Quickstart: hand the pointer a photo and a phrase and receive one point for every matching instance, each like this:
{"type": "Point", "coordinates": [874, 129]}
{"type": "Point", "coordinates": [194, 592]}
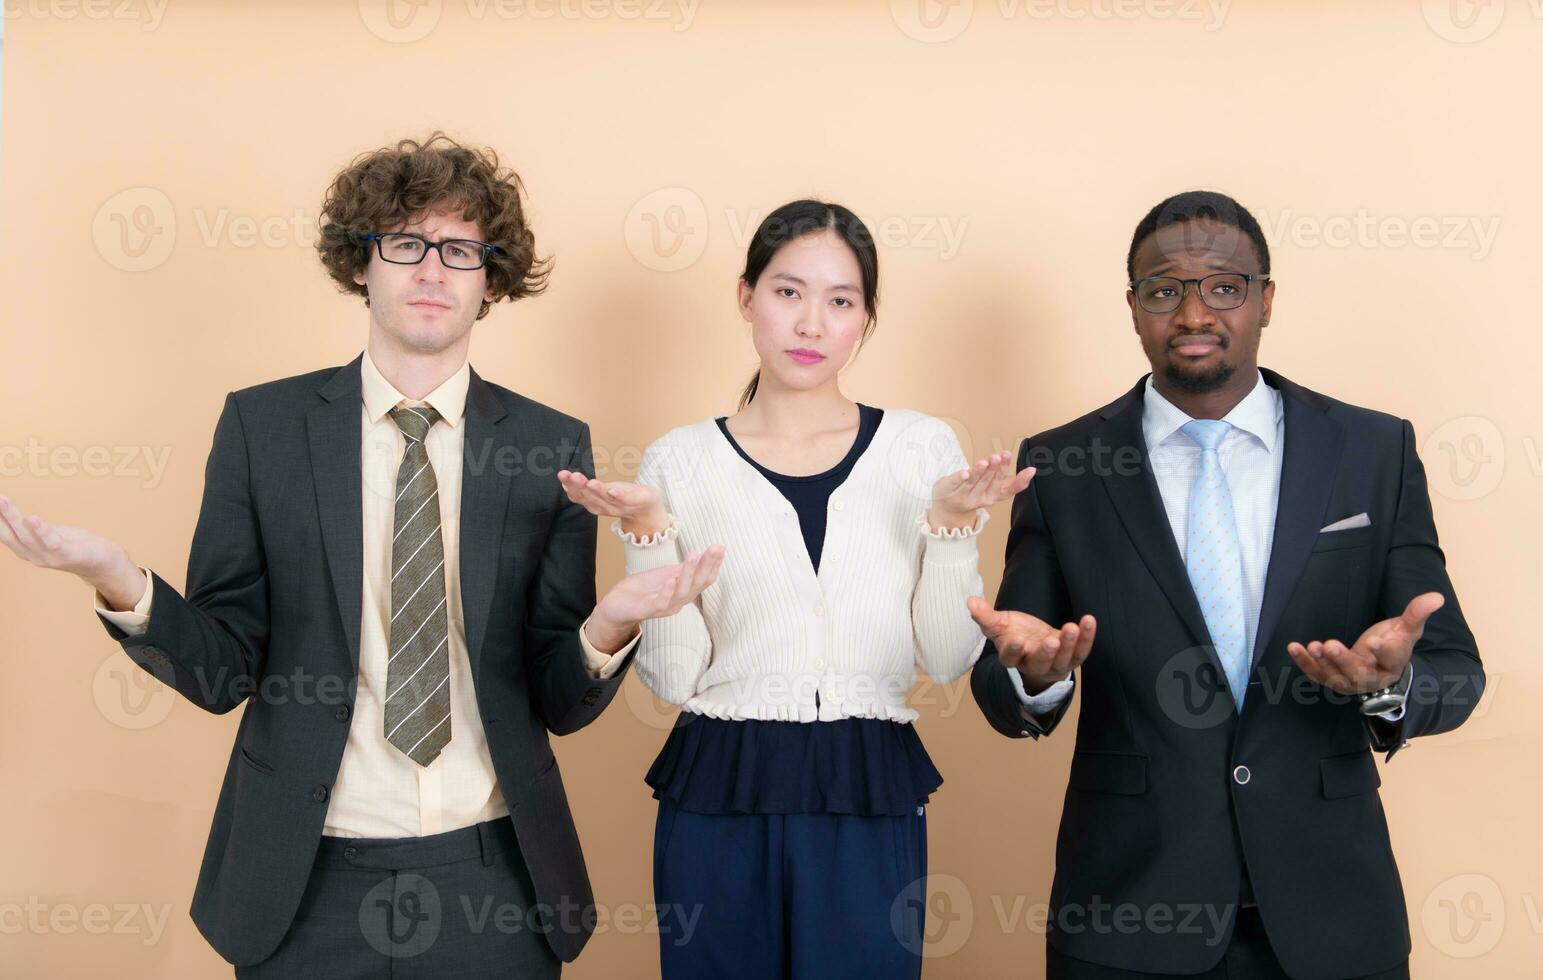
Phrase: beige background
{"type": "Point", "coordinates": [163, 165]}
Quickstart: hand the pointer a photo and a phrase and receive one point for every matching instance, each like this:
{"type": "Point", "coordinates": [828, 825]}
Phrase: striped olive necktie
{"type": "Point", "coordinates": [418, 673]}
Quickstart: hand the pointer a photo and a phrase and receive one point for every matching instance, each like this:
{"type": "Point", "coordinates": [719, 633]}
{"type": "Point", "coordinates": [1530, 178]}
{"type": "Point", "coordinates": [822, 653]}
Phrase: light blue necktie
{"type": "Point", "coordinates": [1214, 555]}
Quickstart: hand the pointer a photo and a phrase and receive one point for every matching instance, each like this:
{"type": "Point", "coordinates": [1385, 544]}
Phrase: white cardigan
{"type": "Point", "coordinates": [770, 639]}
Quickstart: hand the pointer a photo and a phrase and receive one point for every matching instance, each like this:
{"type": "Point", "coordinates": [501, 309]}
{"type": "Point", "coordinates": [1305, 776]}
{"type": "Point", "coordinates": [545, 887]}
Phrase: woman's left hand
{"type": "Point", "coordinates": [958, 495]}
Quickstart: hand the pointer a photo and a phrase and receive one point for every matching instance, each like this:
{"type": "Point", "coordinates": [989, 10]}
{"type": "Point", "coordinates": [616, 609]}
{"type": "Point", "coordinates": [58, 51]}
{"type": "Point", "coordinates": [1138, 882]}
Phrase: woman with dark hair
{"type": "Point", "coordinates": [791, 836]}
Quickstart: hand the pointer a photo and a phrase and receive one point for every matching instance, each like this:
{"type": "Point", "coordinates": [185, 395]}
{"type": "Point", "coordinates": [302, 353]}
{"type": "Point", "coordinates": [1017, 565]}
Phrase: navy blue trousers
{"type": "Point", "coordinates": [806, 895]}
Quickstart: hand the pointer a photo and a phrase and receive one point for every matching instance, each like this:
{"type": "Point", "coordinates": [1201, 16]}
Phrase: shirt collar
{"type": "Point", "coordinates": [381, 396]}
{"type": "Point", "coordinates": [1259, 414]}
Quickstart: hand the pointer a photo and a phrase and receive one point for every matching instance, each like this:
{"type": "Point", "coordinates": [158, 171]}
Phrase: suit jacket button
{"type": "Point", "coordinates": [341, 714]}
{"type": "Point", "coordinates": [1241, 775]}
{"type": "Point", "coordinates": [319, 794]}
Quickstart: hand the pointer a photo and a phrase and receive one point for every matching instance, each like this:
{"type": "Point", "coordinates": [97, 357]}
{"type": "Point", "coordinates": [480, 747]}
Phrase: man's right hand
{"type": "Point", "coordinates": [1041, 653]}
{"type": "Point", "coordinates": [100, 563]}
{"type": "Point", "coordinates": [637, 505]}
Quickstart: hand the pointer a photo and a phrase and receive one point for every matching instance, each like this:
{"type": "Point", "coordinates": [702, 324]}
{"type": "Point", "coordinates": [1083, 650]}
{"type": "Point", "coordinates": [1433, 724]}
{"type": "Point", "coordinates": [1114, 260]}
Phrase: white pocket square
{"type": "Point", "coordinates": [1359, 520]}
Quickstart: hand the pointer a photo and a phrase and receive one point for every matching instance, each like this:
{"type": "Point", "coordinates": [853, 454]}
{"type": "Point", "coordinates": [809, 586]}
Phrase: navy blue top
{"type": "Point", "coordinates": [864, 766]}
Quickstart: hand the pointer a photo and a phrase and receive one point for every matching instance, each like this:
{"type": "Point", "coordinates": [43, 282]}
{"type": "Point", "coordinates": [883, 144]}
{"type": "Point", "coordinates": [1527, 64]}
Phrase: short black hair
{"type": "Point", "coordinates": [1198, 206]}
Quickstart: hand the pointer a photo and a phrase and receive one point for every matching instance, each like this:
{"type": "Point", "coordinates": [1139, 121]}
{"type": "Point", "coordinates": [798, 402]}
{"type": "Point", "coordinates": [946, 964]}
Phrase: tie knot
{"type": "Point", "coordinates": [1207, 433]}
{"type": "Point", "coordinates": [414, 422]}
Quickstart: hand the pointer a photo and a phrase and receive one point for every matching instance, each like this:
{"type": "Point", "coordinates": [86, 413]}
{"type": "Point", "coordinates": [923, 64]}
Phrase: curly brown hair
{"type": "Point", "coordinates": [389, 187]}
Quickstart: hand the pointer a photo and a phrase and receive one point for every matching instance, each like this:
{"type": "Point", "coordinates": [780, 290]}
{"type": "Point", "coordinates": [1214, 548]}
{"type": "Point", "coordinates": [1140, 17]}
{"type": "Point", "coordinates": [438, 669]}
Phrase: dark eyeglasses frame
{"type": "Point", "coordinates": [1247, 277]}
{"type": "Point", "coordinates": [483, 249]}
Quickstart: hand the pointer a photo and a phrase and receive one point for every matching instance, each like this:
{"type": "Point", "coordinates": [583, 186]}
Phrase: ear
{"type": "Point", "coordinates": [359, 278]}
{"type": "Point", "coordinates": [743, 292]}
{"type": "Point", "coordinates": [1267, 299]}
{"type": "Point", "coordinates": [1130, 301]}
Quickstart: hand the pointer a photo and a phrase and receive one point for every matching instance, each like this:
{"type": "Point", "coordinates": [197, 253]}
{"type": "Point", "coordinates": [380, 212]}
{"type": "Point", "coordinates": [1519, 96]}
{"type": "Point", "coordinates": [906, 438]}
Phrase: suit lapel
{"type": "Point", "coordinates": [485, 484]}
{"type": "Point", "coordinates": [333, 428]}
{"type": "Point", "coordinates": [1308, 472]}
{"type": "Point", "coordinates": [1140, 506]}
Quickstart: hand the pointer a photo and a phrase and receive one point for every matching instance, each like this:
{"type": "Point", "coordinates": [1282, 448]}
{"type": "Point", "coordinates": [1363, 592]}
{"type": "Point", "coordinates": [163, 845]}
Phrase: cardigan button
{"type": "Point", "coordinates": [819, 608]}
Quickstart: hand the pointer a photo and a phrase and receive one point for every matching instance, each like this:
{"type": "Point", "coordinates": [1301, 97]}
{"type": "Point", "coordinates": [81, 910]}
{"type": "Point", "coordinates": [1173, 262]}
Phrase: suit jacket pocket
{"type": "Point", "coordinates": [255, 762]}
{"type": "Point", "coordinates": [1349, 775]}
{"type": "Point", "coordinates": [1124, 773]}
{"type": "Point", "coordinates": [1354, 537]}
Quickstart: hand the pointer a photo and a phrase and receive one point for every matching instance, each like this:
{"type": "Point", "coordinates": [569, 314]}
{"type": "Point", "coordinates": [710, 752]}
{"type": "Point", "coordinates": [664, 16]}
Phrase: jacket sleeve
{"type": "Point", "coordinates": [1448, 675]}
{"type": "Point", "coordinates": [211, 645]}
{"type": "Point", "coordinates": [1031, 582]}
{"type": "Point", "coordinates": [561, 597]}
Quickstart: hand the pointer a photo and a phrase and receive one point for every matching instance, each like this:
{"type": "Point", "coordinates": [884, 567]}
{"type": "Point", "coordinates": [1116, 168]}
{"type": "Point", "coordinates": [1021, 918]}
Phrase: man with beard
{"type": "Point", "coordinates": [1272, 604]}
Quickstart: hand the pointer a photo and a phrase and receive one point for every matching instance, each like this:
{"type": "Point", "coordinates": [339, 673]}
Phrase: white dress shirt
{"type": "Point", "coordinates": [379, 791]}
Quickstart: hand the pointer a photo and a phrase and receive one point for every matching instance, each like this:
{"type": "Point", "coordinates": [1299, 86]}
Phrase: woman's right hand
{"type": "Point", "coordinates": [637, 505]}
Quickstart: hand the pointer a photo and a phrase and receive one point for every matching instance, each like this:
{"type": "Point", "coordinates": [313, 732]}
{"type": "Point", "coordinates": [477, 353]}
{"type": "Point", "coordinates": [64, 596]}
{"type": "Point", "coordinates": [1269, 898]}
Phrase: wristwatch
{"type": "Point", "coordinates": [1389, 697]}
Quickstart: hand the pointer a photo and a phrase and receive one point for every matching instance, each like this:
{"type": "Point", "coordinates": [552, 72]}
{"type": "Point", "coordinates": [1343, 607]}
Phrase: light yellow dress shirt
{"type": "Point", "coordinates": [379, 791]}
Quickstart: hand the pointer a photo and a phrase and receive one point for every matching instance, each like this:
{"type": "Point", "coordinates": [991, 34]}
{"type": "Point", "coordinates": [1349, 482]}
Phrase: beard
{"type": "Point", "coordinates": [1199, 380]}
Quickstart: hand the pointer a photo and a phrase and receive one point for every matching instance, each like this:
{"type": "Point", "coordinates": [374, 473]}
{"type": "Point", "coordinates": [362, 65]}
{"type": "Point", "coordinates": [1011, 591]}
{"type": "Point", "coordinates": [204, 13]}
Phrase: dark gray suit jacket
{"type": "Point", "coordinates": [1158, 815]}
{"type": "Point", "coordinates": [272, 616]}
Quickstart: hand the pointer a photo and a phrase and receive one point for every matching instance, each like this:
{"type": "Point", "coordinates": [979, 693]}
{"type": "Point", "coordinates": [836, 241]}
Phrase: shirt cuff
{"type": "Point", "coordinates": [602, 666]}
{"type": "Point", "coordinates": [650, 551]}
{"type": "Point", "coordinates": [951, 543]}
{"type": "Point", "coordinates": [1045, 701]}
{"type": "Point", "coordinates": [1392, 714]}
{"type": "Point", "coordinates": [1395, 715]}
{"type": "Point", "coordinates": [132, 621]}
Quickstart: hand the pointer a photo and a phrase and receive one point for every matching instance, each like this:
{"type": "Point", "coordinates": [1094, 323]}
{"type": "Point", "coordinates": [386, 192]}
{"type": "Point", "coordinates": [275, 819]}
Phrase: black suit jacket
{"type": "Point", "coordinates": [272, 616]}
{"type": "Point", "coordinates": [1158, 814]}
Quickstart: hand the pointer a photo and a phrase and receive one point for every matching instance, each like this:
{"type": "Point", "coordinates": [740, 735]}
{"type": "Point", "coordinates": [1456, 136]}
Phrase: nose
{"type": "Point", "coordinates": [431, 269]}
{"type": "Point", "coordinates": [809, 324]}
{"type": "Point", "coordinates": [1192, 313]}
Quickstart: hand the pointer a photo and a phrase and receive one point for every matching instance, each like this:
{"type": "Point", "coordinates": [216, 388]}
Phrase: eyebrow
{"type": "Point", "coordinates": [419, 234]}
{"type": "Point", "coordinates": [1167, 267]}
{"type": "Point", "coordinates": [789, 277]}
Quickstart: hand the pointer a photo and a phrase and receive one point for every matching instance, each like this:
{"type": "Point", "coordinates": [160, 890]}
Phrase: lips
{"type": "Point", "coordinates": [806, 356]}
{"type": "Point", "coordinates": [1197, 345]}
{"type": "Point", "coordinates": [429, 304]}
